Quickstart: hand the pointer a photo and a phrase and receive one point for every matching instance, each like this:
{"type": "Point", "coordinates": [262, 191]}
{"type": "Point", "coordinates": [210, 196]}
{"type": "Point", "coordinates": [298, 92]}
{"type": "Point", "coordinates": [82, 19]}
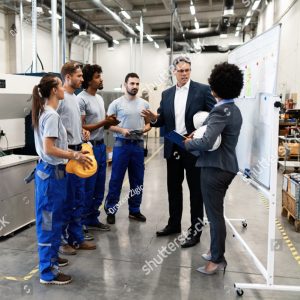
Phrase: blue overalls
{"type": "Point", "coordinates": [95, 187]}
{"type": "Point", "coordinates": [72, 211]}
{"type": "Point", "coordinates": [127, 154]}
{"type": "Point", "coordinates": [50, 195]}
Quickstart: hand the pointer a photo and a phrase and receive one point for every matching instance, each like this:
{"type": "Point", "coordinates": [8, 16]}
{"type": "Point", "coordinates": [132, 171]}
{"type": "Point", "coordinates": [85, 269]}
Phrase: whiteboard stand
{"type": "Point", "coordinates": [270, 194]}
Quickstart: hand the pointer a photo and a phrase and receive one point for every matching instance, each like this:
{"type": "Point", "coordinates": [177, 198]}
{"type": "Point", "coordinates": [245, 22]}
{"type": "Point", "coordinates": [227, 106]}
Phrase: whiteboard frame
{"type": "Point", "coordinates": [271, 195]}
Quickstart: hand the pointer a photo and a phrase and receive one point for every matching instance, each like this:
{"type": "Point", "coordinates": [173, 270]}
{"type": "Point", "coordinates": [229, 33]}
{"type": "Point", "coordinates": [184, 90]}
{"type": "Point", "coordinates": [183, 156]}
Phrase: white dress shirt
{"type": "Point", "coordinates": [180, 100]}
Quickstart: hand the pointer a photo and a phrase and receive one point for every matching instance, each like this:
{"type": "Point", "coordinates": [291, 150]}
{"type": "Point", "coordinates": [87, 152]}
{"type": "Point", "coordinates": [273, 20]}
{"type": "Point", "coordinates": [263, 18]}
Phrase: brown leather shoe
{"type": "Point", "coordinates": [87, 245]}
{"type": "Point", "coordinates": [62, 262]}
{"type": "Point", "coordinates": [67, 250]}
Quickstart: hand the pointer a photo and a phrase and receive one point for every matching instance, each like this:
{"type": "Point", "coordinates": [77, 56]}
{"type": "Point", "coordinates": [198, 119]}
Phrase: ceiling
{"type": "Point", "coordinates": [156, 15]}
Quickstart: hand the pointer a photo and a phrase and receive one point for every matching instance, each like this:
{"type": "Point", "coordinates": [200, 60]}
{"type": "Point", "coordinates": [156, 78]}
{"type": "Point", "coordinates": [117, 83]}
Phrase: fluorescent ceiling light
{"type": "Point", "coordinates": [247, 21]}
{"type": "Point", "coordinates": [76, 26]}
{"type": "Point", "coordinates": [125, 14]}
{"type": "Point", "coordinates": [156, 45]}
{"type": "Point", "coordinates": [28, 0]}
{"type": "Point", "coordinates": [196, 24]}
{"type": "Point", "coordinates": [228, 12]}
{"type": "Point", "coordinates": [238, 27]}
{"type": "Point", "coordinates": [116, 42]}
{"type": "Point", "coordinates": [192, 9]}
{"type": "Point", "coordinates": [149, 38]}
{"type": "Point", "coordinates": [138, 27]}
{"type": "Point", "coordinates": [256, 4]}
{"type": "Point", "coordinates": [57, 15]}
{"type": "Point", "coordinates": [249, 13]}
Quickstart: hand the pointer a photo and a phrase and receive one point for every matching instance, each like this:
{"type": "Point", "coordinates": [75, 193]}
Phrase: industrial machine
{"type": "Point", "coordinates": [16, 197]}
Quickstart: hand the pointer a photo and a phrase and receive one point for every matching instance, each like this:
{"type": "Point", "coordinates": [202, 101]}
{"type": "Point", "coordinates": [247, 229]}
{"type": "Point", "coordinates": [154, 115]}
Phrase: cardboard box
{"type": "Point", "coordinates": [290, 204]}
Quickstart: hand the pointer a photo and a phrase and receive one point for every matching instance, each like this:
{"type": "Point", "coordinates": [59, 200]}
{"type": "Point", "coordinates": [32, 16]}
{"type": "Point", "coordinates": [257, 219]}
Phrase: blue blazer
{"type": "Point", "coordinates": [199, 99]}
{"type": "Point", "coordinates": [226, 120]}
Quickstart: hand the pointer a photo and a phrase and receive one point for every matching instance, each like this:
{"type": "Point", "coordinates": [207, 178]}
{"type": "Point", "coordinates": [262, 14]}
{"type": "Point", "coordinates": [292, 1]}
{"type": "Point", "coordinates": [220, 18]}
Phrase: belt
{"type": "Point", "coordinates": [75, 147]}
{"type": "Point", "coordinates": [97, 142]}
{"type": "Point", "coordinates": [129, 141]}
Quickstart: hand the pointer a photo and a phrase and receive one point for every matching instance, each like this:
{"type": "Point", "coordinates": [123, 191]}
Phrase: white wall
{"type": "Point", "coordinates": [154, 67]}
{"type": "Point", "coordinates": [3, 44]}
{"type": "Point", "coordinates": [289, 56]}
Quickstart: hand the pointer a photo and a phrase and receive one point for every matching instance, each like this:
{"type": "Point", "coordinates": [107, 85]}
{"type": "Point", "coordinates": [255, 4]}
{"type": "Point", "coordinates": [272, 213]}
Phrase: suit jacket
{"type": "Point", "coordinates": [225, 119]}
{"type": "Point", "coordinates": [199, 99]}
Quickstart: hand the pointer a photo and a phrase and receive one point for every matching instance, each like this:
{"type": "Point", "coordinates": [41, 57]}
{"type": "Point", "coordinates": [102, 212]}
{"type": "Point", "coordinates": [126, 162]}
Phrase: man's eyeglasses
{"type": "Point", "coordinates": [183, 71]}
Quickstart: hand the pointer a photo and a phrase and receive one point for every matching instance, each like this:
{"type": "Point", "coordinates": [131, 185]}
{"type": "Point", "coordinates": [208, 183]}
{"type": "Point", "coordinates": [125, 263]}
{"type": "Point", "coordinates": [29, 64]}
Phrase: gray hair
{"type": "Point", "coordinates": [181, 58]}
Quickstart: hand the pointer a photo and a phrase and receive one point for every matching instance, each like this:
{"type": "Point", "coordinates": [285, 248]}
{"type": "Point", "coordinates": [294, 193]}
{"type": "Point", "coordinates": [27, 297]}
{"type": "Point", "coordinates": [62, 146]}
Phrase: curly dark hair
{"type": "Point", "coordinates": [88, 72]}
{"type": "Point", "coordinates": [226, 80]}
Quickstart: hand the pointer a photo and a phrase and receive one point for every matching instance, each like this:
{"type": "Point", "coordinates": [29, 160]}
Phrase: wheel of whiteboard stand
{"type": "Point", "coordinates": [239, 292]}
{"type": "Point", "coordinates": [244, 223]}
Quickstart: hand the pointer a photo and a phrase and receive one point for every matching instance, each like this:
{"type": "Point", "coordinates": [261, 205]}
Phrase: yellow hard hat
{"type": "Point", "coordinates": [75, 167]}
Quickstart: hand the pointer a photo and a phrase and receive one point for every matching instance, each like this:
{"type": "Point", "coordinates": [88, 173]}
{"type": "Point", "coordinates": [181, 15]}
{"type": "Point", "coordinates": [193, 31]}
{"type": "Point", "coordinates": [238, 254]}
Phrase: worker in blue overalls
{"type": "Point", "coordinates": [72, 234]}
{"type": "Point", "coordinates": [128, 151]}
{"type": "Point", "coordinates": [94, 119]}
{"type": "Point", "coordinates": [50, 179]}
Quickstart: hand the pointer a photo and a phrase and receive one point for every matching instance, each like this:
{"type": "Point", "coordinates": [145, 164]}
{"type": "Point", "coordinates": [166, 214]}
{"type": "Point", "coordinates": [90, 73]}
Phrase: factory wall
{"type": "Point", "coordinates": [153, 69]}
{"type": "Point", "coordinates": [3, 44]}
{"type": "Point", "coordinates": [283, 12]}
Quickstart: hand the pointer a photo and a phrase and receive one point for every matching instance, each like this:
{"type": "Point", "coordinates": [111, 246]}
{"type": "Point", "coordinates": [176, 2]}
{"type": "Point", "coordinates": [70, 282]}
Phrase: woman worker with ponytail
{"type": "Point", "coordinates": [50, 184]}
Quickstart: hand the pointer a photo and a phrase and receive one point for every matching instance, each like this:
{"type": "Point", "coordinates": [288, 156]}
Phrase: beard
{"type": "Point", "coordinates": [133, 92]}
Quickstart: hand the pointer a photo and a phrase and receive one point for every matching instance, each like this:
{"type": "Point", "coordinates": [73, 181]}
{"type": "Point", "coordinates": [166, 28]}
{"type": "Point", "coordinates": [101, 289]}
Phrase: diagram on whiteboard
{"type": "Point", "coordinates": [258, 60]}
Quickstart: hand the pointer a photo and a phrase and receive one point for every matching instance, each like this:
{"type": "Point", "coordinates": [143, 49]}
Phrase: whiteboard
{"type": "Point", "coordinates": [258, 59]}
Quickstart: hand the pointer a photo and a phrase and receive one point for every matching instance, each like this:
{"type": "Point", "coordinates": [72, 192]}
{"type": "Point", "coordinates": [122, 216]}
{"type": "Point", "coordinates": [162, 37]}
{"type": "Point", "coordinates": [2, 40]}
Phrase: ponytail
{"type": "Point", "coordinates": [38, 103]}
{"type": "Point", "coordinates": [40, 93]}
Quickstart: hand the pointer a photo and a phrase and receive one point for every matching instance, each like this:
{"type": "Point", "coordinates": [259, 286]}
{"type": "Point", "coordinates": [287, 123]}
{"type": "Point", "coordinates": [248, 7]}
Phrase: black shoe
{"type": "Point", "coordinates": [137, 216]}
{"type": "Point", "coordinates": [191, 240]}
{"type": "Point", "coordinates": [168, 230]}
{"type": "Point", "coordinates": [111, 219]}
{"type": "Point", "coordinates": [99, 226]}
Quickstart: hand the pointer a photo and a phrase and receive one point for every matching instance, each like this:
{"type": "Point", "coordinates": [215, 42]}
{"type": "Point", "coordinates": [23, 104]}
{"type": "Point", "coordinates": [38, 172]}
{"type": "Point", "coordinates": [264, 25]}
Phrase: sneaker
{"type": "Point", "coordinates": [87, 236]}
{"type": "Point", "coordinates": [111, 219]}
{"type": "Point", "coordinates": [62, 262]}
{"type": "Point", "coordinates": [137, 216]}
{"type": "Point", "coordinates": [67, 250]}
{"type": "Point", "coordinates": [86, 245]}
{"type": "Point", "coordinates": [99, 226]}
{"type": "Point", "coordinates": [60, 279]}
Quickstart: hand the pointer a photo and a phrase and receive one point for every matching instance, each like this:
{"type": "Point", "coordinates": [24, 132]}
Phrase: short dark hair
{"type": "Point", "coordinates": [226, 80]}
{"type": "Point", "coordinates": [88, 73]}
{"type": "Point", "coordinates": [69, 68]}
{"type": "Point", "coordinates": [131, 75]}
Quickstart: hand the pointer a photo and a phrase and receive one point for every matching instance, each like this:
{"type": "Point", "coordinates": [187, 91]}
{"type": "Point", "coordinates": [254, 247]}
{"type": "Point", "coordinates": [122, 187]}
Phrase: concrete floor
{"type": "Point", "coordinates": [114, 270]}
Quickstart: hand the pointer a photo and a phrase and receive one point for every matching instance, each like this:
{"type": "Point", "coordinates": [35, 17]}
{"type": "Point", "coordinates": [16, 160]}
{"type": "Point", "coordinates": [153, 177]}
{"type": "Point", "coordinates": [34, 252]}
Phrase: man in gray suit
{"type": "Point", "coordinates": [178, 106]}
